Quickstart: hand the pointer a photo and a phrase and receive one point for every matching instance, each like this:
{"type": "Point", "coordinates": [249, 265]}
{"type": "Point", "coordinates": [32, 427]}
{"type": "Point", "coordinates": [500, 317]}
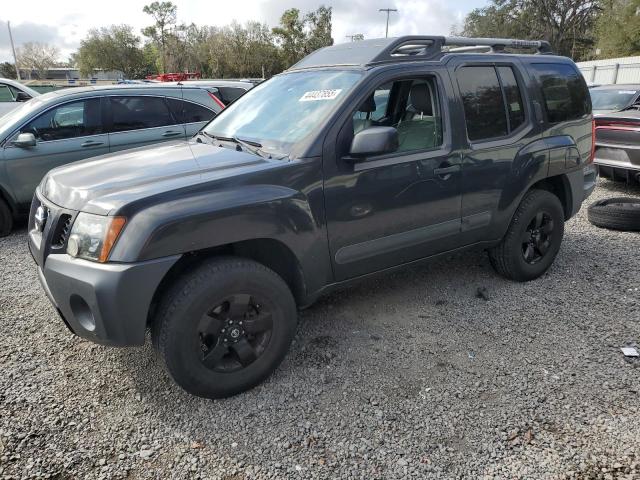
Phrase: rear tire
{"type": "Point", "coordinates": [6, 219]}
{"type": "Point", "coordinates": [225, 327]}
{"type": "Point", "coordinates": [616, 214]}
{"type": "Point", "coordinates": [533, 239]}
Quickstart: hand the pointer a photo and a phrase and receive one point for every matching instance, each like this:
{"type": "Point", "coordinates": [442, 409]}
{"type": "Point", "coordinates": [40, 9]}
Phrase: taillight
{"type": "Point", "coordinates": [217, 100]}
{"type": "Point", "coordinates": [593, 141]}
{"type": "Point", "coordinates": [615, 124]}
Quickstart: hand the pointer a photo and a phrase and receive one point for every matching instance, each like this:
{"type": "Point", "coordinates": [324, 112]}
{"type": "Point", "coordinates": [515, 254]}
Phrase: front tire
{"type": "Point", "coordinates": [533, 239]}
{"type": "Point", "coordinates": [225, 327]}
{"type": "Point", "coordinates": [6, 219]}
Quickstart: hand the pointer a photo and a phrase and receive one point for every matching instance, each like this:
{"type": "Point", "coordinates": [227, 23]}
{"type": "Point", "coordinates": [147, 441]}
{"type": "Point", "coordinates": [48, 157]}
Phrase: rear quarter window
{"type": "Point", "coordinates": [564, 92]}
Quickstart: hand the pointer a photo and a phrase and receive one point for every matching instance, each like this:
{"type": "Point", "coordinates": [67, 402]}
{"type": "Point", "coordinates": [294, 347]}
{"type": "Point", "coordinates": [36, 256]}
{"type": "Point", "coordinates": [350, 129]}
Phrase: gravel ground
{"type": "Point", "coordinates": [440, 371]}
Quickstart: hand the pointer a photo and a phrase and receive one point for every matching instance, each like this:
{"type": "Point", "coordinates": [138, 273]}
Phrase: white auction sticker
{"type": "Point", "coordinates": [317, 95]}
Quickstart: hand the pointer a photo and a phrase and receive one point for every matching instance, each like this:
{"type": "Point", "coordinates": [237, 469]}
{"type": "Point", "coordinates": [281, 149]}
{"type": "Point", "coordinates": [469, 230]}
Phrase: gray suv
{"type": "Point", "coordinates": [73, 124]}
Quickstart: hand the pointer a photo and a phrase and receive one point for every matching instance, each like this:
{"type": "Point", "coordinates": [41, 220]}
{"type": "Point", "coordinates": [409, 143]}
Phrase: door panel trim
{"type": "Point", "coordinates": [476, 220]}
{"type": "Point", "coordinates": [389, 243]}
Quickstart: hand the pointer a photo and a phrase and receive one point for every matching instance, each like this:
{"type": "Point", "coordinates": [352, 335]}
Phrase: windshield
{"type": "Point", "coordinates": [609, 99]}
{"type": "Point", "coordinates": [282, 111]}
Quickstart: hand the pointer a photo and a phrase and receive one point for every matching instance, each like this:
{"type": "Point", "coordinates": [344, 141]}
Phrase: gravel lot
{"type": "Point", "coordinates": [414, 375]}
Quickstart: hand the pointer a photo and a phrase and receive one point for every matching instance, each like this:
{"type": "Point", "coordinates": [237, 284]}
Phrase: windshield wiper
{"type": "Point", "coordinates": [247, 145]}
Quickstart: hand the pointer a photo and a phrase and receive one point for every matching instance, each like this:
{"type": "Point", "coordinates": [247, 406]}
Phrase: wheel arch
{"type": "Point", "coordinates": [269, 252]}
{"type": "Point", "coordinates": [559, 186]}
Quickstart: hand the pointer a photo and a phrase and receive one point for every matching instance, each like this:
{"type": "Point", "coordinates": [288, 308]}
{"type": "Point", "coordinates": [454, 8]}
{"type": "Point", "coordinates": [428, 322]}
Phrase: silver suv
{"type": "Point", "coordinates": [73, 124]}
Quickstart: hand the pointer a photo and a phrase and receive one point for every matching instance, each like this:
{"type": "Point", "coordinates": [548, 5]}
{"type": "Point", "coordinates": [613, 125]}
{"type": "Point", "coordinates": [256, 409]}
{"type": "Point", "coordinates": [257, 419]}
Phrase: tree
{"type": "Point", "coordinates": [569, 25]}
{"type": "Point", "coordinates": [113, 48]}
{"type": "Point", "coordinates": [618, 29]}
{"type": "Point", "coordinates": [290, 35]}
{"type": "Point", "coordinates": [164, 14]}
{"type": "Point", "coordinates": [37, 56]}
{"type": "Point", "coordinates": [298, 37]}
{"type": "Point", "coordinates": [7, 70]}
{"type": "Point", "coordinates": [319, 25]}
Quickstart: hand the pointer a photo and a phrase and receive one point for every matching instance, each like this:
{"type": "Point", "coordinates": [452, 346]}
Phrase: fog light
{"type": "Point", "coordinates": [73, 245]}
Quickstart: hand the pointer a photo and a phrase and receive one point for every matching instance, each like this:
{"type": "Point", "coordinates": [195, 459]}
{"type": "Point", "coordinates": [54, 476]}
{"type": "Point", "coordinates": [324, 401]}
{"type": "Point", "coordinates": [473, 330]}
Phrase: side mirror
{"type": "Point", "coordinates": [374, 141]}
{"type": "Point", "coordinates": [25, 140]}
{"type": "Point", "coordinates": [22, 97]}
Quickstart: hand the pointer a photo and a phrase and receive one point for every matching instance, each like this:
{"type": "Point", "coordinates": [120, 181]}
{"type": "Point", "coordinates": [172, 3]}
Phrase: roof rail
{"type": "Point", "coordinates": [411, 48]}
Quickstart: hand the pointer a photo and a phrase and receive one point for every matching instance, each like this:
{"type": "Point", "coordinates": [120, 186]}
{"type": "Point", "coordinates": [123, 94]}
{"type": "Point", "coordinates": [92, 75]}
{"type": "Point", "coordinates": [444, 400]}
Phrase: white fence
{"type": "Point", "coordinates": [611, 71]}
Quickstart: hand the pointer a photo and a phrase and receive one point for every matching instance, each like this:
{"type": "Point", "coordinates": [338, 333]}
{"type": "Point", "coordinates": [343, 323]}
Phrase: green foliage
{"type": "Point", "coordinates": [233, 51]}
{"type": "Point", "coordinates": [7, 70]}
{"type": "Point", "coordinates": [569, 25]}
{"type": "Point", "coordinates": [163, 31]}
{"type": "Point", "coordinates": [298, 37]}
{"type": "Point", "coordinates": [618, 29]}
{"type": "Point", "coordinates": [113, 48]}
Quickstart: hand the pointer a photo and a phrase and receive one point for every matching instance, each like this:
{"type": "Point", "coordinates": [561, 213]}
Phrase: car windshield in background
{"type": "Point", "coordinates": [8, 121]}
{"type": "Point", "coordinates": [607, 99]}
{"type": "Point", "coordinates": [284, 110]}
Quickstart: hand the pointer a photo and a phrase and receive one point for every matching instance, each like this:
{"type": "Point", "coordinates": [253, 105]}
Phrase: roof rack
{"type": "Point", "coordinates": [412, 48]}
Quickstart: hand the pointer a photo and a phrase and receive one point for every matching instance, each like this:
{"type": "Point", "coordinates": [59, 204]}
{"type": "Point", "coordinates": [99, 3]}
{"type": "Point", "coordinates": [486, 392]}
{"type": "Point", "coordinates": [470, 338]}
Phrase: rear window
{"type": "Point", "coordinates": [493, 105]}
{"type": "Point", "coordinates": [188, 112]}
{"type": "Point", "coordinates": [138, 112]}
{"type": "Point", "coordinates": [564, 92]}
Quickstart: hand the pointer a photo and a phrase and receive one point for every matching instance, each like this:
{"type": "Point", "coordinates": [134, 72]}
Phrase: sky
{"type": "Point", "coordinates": [65, 24]}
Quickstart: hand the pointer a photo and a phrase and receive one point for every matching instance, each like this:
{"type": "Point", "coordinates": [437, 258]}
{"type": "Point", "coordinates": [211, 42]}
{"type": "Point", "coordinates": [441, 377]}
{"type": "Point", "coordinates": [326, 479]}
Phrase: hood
{"type": "Point", "coordinates": [103, 184]}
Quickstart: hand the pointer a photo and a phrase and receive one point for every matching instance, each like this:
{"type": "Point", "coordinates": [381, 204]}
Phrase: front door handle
{"type": "Point", "coordinates": [170, 133]}
{"type": "Point", "coordinates": [91, 143]}
{"type": "Point", "coordinates": [445, 172]}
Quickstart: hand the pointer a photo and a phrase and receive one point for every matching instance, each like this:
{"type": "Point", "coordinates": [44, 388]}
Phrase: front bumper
{"type": "Point", "coordinates": [105, 303]}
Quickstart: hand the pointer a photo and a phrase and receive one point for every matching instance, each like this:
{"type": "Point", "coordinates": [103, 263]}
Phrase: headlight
{"type": "Point", "coordinates": [93, 236]}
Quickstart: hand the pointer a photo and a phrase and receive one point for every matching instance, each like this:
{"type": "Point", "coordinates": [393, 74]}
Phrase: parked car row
{"type": "Point", "coordinates": [73, 124]}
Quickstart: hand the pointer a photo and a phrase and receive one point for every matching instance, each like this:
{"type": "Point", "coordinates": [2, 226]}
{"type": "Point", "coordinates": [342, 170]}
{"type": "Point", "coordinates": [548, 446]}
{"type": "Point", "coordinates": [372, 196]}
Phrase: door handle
{"type": "Point", "coordinates": [91, 143]}
{"type": "Point", "coordinates": [170, 133]}
{"type": "Point", "coordinates": [446, 172]}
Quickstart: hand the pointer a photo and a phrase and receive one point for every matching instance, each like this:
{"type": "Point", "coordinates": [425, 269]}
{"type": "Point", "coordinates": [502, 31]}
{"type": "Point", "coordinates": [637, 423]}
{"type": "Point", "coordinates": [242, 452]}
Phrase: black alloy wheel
{"type": "Point", "coordinates": [234, 333]}
{"type": "Point", "coordinates": [537, 238]}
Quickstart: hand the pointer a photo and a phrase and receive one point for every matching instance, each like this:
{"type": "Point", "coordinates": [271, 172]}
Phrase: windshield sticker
{"type": "Point", "coordinates": [317, 95]}
{"type": "Point", "coordinates": [626, 92]}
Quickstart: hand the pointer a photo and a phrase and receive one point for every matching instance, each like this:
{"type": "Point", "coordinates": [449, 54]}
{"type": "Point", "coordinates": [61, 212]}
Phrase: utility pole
{"type": "Point", "coordinates": [388, 10]}
{"type": "Point", "coordinates": [13, 49]}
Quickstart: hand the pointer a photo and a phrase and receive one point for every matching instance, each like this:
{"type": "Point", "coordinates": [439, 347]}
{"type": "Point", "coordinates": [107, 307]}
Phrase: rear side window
{"type": "Point", "coordinates": [515, 106]}
{"type": "Point", "coordinates": [483, 104]}
{"type": "Point", "coordinates": [138, 112]}
{"type": "Point", "coordinates": [564, 92]}
{"type": "Point", "coordinates": [230, 94]}
{"type": "Point", "coordinates": [493, 105]}
{"type": "Point", "coordinates": [187, 112]}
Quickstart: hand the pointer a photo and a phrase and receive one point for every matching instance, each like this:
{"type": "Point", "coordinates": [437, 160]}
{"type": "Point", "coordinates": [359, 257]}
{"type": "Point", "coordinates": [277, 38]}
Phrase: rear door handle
{"type": "Point", "coordinates": [91, 143]}
{"type": "Point", "coordinates": [170, 133]}
{"type": "Point", "coordinates": [446, 171]}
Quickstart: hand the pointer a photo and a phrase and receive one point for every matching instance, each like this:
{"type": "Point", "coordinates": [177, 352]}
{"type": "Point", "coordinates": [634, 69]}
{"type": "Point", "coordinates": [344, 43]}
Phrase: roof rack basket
{"type": "Point", "coordinates": [428, 47]}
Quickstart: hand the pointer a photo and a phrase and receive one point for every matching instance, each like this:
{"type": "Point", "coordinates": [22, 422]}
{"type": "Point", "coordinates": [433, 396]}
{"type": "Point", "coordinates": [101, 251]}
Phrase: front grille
{"type": "Point", "coordinates": [61, 234]}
